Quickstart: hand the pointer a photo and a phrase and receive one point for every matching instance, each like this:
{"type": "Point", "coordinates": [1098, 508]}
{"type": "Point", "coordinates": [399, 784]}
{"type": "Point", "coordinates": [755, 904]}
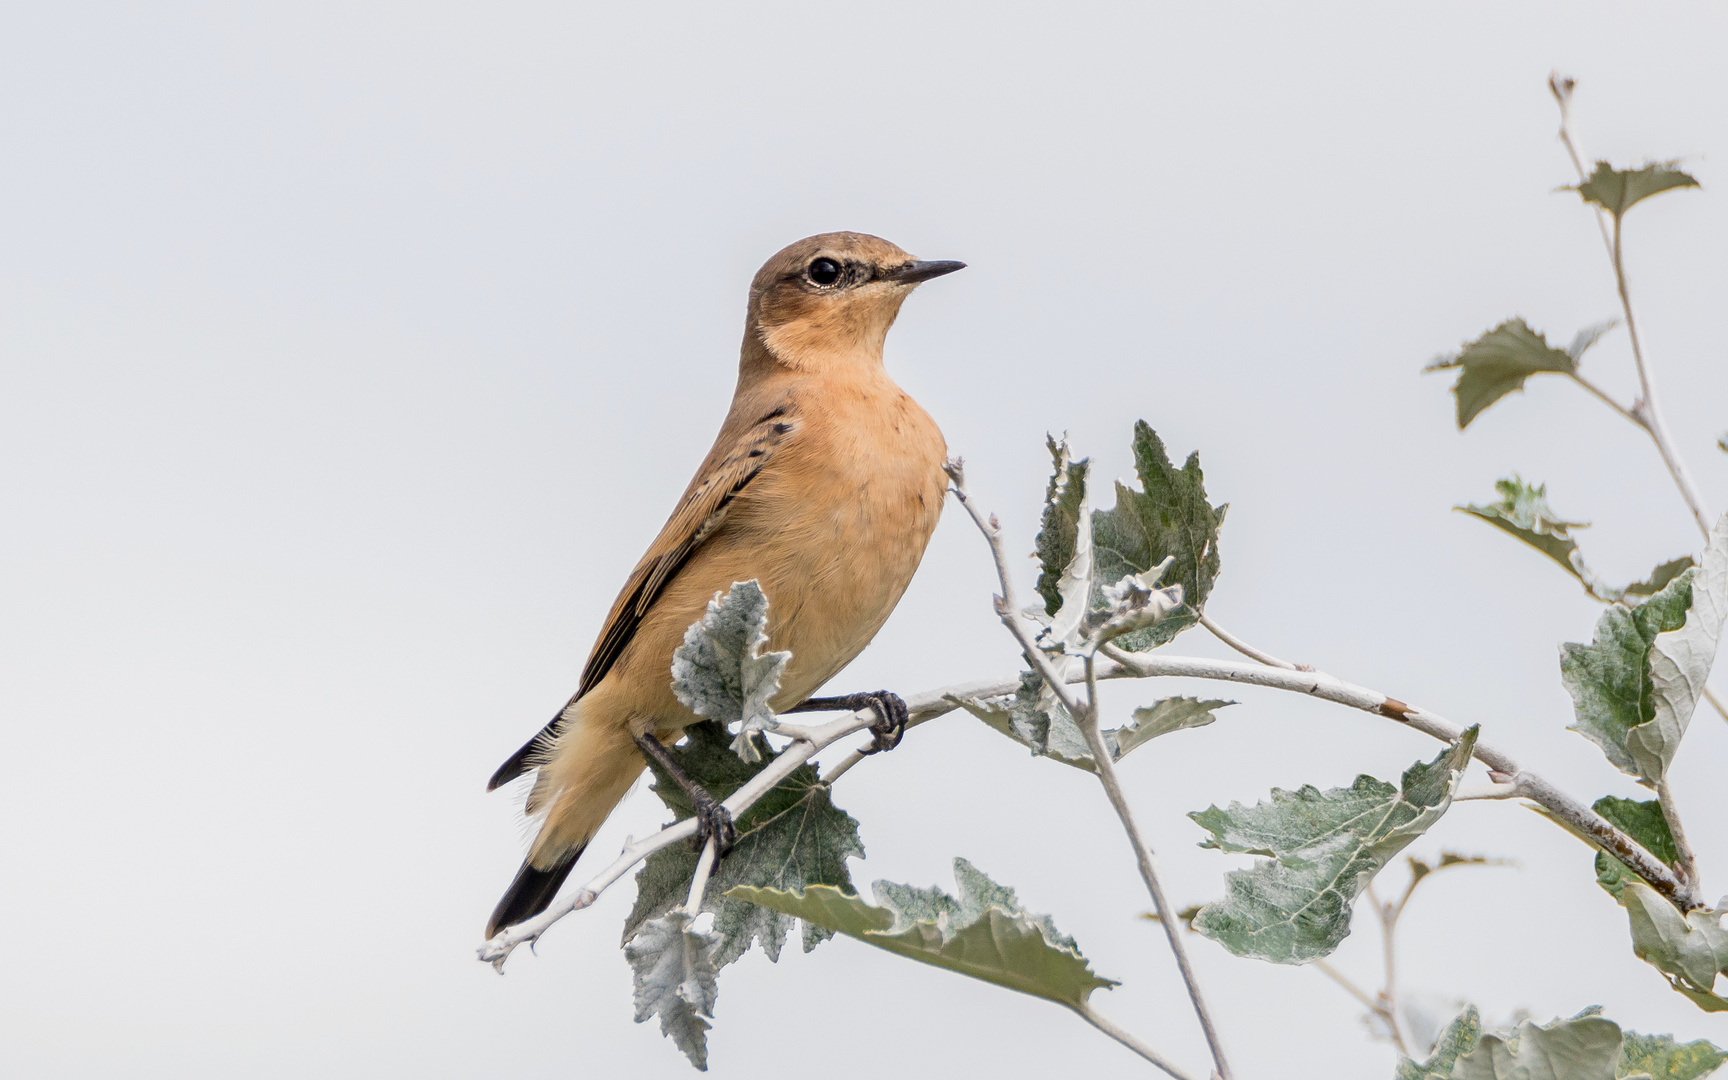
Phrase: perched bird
{"type": "Point", "coordinates": [824, 486]}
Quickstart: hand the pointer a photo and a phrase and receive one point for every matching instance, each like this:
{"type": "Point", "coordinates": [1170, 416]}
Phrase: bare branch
{"type": "Point", "coordinates": [1687, 865]}
{"type": "Point", "coordinates": [1246, 649]}
{"type": "Point", "coordinates": [699, 879]}
{"type": "Point", "coordinates": [1086, 1013]}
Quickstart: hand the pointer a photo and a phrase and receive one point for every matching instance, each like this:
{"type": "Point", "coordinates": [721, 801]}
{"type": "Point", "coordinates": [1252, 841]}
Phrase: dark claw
{"type": "Point", "coordinates": [891, 728]}
{"type": "Point", "coordinates": [714, 821]}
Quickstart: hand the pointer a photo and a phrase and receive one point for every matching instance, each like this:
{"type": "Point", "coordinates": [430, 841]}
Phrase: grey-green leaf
{"type": "Point", "coordinates": [674, 979]}
{"type": "Point", "coordinates": [1459, 1038]}
{"type": "Point", "coordinates": [1618, 190]}
{"type": "Point", "coordinates": [1680, 661]}
{"type": "Point", "coordinates": [1691, 949]}
{"type": "Point", "coordinates": [1497, 363]}
{"type": "Point", "coordinates": [985, 933]}
{"type": "Point", "coordinates": [1660, 577]}
{"type": "Point", "coordinates": [719, 671]}
{"type": "Point", "coordinates": [792, 837]}
{"type": "Point", "coordinates": [1524, 512]}
{"type": "Point", "coordinates": [1582, 1048]}
{"type": "Point", "coordinates": [1325, 847]}
{"type": "Point", "coordinates": [1609, 679]}
{"type": "Point", "coordinates": [1064, 499]}
{"type": "Point", "coordinates": [1661, 1058]}
{"type": "Point", "coordinates": [1168, 518]}
{"type": "Point", "coordinates": [1643, 822]}
{"type": "Point", "coordinates": [1040, 723]}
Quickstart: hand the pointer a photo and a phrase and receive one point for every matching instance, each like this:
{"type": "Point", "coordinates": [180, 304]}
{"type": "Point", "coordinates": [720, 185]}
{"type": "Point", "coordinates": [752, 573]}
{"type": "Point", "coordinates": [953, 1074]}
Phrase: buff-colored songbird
{"type": "Point", "coordinates": [824, 485]}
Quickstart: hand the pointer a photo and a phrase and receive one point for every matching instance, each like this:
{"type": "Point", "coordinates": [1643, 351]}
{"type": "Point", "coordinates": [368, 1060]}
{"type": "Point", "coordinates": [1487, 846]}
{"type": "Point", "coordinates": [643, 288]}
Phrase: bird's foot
{"type": "Point", "coordinates": [713, 822]}
{"type": "Point", "coordinates": [890, 726]}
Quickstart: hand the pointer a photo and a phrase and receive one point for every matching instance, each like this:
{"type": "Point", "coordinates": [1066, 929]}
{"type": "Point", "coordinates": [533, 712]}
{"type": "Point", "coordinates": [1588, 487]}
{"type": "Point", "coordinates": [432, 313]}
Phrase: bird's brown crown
{"type": "Point", "coordinates": [831, 299]}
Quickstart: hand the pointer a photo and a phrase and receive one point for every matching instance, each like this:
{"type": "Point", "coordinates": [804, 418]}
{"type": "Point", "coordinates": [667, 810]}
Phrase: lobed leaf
{"type": "Point", "coordinates": [1609, 679]}
{"type": "Point", "coordinates": [1064, 502]}
{"type": "Point", "coordinates": [1324, 848]}
{"type": "Point", "coordinates": [673, 972]}
{"type": "Point", "coordinates": [1660, 577]}
{"type": "Point", "coordinates": [1459, 1038]}
{"type": "Point", "coordinates": [1691, 949]}
{"type": "Point", "coordinates": [984, 933]}
{"type": "Point", "coordinates": [1661, 1058]}
{"type": "Point", "coordinates": [1498, 362]}
{"type": "Point", "coordinates": [1680, 662]}
{"type": "Point", "coordinates": [1168, 518]}
{"type": "Point", "coordinates": [1039, 722]}
{"type": "Point", "coordinates": [1618, 190]}
{"type": "Point", "coordinates": [1585, 1047]}
{"type": "Point", "coordinates": [1524, 512]}
{"type": "Point", "coordinates": [719, 672]}
{"type": "Point", "coordinates": [793, 837]}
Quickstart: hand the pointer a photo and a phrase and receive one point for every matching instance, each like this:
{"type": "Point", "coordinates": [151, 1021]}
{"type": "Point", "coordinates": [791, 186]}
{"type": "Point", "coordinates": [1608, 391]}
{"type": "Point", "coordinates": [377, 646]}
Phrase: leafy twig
{"type": "Point", "coordinates": [1086, 717]}
{"type": "Point", "coordinates": [1589, 824]}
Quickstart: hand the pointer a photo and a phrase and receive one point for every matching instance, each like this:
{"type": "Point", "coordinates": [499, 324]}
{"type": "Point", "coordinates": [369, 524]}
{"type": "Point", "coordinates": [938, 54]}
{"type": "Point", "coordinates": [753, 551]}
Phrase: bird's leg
{"type": "Point", "coordinates": [890, 709]}
{"type": "Point", "coordinates": [712, 819]}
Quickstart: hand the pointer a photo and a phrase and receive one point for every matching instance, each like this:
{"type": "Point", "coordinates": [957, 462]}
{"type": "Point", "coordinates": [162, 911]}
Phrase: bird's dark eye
{"type": "Point", "coordinates": [824, 271]}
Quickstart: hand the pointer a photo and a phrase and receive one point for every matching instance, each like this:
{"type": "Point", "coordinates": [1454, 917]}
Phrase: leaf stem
{"type": "Point", "coordinates": [1085, 1012]}
{"type": "Point", "coordinates": [1716, 701]}
{"type": "Point", "coordinates": [1388, 915]}
{"type": "Point", "coordinates": [1607, 400]}
{"type": "Point", "coordinates": [1341, 979]}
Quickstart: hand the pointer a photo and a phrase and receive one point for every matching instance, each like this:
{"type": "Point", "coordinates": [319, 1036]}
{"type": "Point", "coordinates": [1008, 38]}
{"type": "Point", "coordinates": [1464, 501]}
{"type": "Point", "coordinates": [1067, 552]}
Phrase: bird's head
{"type": "Point", "coordinates": [831, 298]}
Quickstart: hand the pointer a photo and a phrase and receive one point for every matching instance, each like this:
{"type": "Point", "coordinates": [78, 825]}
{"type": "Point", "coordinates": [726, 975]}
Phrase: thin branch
{"type": "Point", "coordinates": [1716, 700]}
{"type": "Point", "coordinates": [1608, 400]}
{"type": "Point", "coordinates": [699, 879]}
{"type": "Point", "coordinates": [1647, 414]}
{"type": "Point", "coordinates": [1389, 951]}
{"type": "Point", "coordinates": [1687, 865]}
{"type": "Point", "coordinates": [1342, 980]}
{"type": "Point", "coordinates": [1246, 649]}
{"type": "Point", "coordinates": [1576, 815]}
{"type": "Point", "coordinates": [1084, 1011]}
{"type": "Point", "coordinates": [1086, 717]}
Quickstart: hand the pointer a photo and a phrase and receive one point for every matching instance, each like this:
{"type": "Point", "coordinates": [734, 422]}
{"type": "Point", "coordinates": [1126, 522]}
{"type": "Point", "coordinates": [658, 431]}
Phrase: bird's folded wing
{"type": "Point", "coordinates": [727, 472]}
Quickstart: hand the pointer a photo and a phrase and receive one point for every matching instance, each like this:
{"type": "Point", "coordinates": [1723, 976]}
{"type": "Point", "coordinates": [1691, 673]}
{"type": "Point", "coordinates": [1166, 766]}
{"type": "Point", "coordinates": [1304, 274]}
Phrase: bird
{"type": "Point", "coordinates": [824, 486]}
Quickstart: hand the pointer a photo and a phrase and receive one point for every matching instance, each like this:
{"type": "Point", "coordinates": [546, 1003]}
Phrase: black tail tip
{"type": "Point", "coordinates": [531, 893]}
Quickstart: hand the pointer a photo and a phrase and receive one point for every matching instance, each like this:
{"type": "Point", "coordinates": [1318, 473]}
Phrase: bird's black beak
{"type": "Point", "coordinates": [913, 272]}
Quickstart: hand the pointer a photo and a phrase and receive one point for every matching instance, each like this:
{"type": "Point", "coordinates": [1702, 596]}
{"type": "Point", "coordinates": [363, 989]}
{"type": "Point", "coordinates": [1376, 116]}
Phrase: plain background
{"type": "Point", "coordinates": [353, 353]}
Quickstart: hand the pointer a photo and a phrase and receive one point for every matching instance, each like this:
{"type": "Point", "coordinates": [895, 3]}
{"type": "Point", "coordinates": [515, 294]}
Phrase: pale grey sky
{"type": "Point", "coordinates": [354, 352]}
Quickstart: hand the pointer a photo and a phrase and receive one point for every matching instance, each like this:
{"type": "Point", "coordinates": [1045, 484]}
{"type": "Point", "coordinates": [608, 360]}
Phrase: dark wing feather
{"type": "Point", "coordinates": [699, 515]}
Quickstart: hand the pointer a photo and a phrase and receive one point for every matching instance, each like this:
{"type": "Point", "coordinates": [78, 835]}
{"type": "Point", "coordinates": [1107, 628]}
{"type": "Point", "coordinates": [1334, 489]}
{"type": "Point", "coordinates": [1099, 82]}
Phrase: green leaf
{"type": "Point", "coordinates": [1680, 662]}
{"type": "Point", "coordinates": [1661, 1058]}
{"type": "Point", "coordinates": [1524, 512]}
{"type": "Point", "coordinates": [719, 673]}
{"type": "Point", "coordinates": [1325, 848]}
{"type": "Point", "coordinates": [673, 972]}
{"type": "Point", "coordinates": [1459, 1038]}
{"type": "Point", "coordinates": [1497, 363]}
{"type": "Point", "coordinates": [1609, 679]}
{"type": "Point", "coordinates": [1691, 949]}
{"type": "Point", "coordinates": [1618, 190]}
{"type": "Point", "coordinates": [1064, 500]}
{"type": "Point", "coordinates": [1169, 518]}
{"type": "Point", "coordinates": [792, 837]}
{"type": "Point", "coordinates": [1660, 577]}
{"type": "Point", "coordinates": [1040, 723]}
{"type": "Point", "coordinates": [1643, 822]}
{"type": "Point", "coordinates": [985, 933]}
{"type": "Point", "coordinates": [1582, 1048]}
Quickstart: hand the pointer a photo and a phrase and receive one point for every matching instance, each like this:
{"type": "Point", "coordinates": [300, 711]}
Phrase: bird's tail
{"type": "Point", "coordinates": [585, 773]}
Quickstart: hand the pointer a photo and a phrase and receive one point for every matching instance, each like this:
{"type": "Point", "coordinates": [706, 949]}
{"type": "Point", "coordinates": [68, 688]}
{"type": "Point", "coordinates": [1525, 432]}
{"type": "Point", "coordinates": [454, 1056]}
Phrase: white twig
{"type": "Point", "coordinates": [1686, 868]}
{"type": "Point", "coordinates": [1084, 1010]}
{"type": "Point", "coordinates": [1589, 824]}
{"type": "Point", "coordinates": [1246, 649]}
{"type": "Point", "coordinates": [1389, 952]}
{"type": "Point", "coordinates": [1086, 717]}
{"type": "Point", "coordinates": [699, 879]}
{"type": "Point", "coordinates": [1716, 701]}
